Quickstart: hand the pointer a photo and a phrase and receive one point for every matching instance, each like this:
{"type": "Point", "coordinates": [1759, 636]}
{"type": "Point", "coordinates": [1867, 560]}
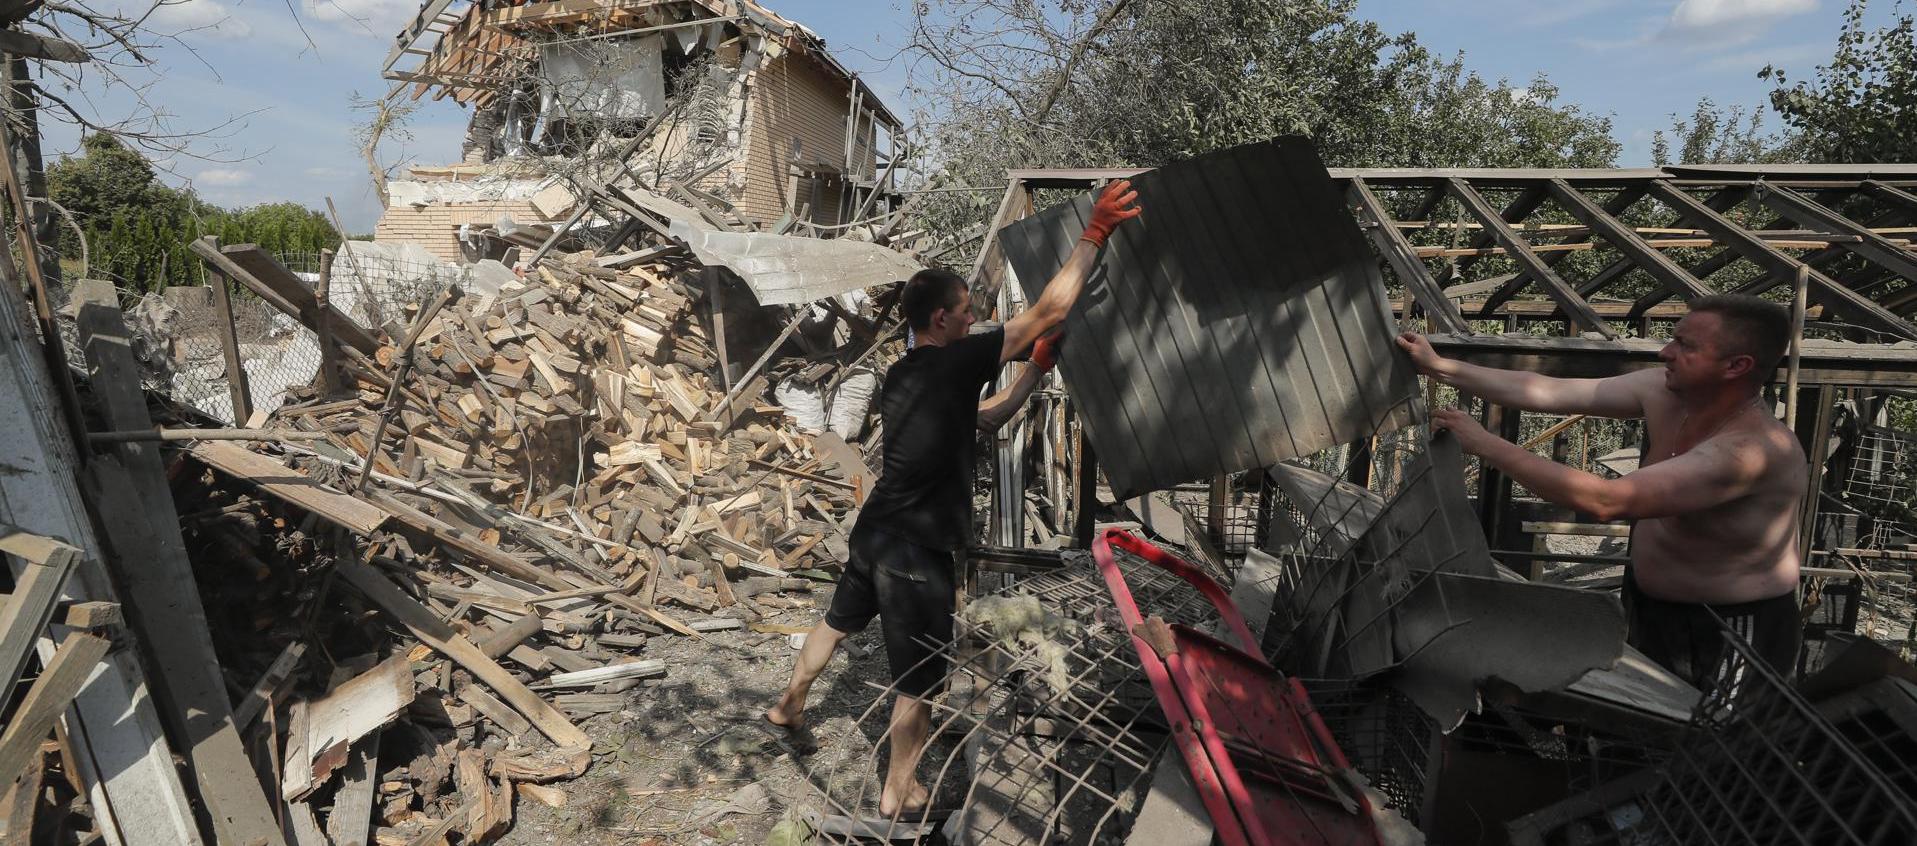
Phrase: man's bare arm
{"type": "Point", "coordinates": [1115, 205]}
{"type": "Point", "coordinates": [1710, 475]}
{"type": "Point", "coordinates": [1053, 305]}
{"type": "Point", "coordinates": [1616, 396]}
{"type": "Point", "coordinates": [999, 409]}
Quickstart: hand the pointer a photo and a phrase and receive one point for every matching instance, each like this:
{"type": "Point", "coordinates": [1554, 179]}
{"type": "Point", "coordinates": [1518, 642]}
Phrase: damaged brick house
{"type": "Point", "coordinates": [760, 128]}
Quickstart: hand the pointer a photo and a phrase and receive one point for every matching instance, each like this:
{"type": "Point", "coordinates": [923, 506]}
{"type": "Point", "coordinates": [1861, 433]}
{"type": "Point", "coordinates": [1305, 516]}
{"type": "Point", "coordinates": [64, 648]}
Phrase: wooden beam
{"type": "Point", "coordinates": [988, 270]}
{"type": "Point", "coordinates": [1575, 308]}
{"type": "Point", "coordinates": [1725, 199]}
{"type": "Point", "coordinates": [236, 382]}
{"type": "Point", "coordinates": [1824, 363]}
{"type": "Point", "coordinates": [1517, 210]}
{"type": "Point", "coordinates": [293, 300]}
{"type": "Point", "coordinates": [120, 752]}
{"type": "Point", "coordinates": [36, 589]}
{"type": "Point", "coordinates": [434, 632]}
{"type": "Point", "coordinates": [1402, 256]}
{"type": "Point", "coordinates": [290, 485]}
{"type": "Point", "coordinates": [72, 663]}
{"type": "Point", "coordinates": [1871, 246]}
{"type": "Point", "coordinates": [1627, 241]}
{"type": "Point", "coordinates": [1853, 305]}
{"type": "Point", "coordinates": [149, 554]}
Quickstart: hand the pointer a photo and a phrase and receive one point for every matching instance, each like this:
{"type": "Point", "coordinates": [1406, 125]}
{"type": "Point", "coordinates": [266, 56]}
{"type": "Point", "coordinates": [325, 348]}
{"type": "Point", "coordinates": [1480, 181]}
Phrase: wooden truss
{"type": "Point", "coordinates": [1471, 245]}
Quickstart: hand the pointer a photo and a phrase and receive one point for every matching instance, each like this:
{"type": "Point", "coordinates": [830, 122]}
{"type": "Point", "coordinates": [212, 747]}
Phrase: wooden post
{"type": "Point", "coordinates": [230, 346]}
{"type": "Point", "coordinates": [1084, 491]}
{"type": "Point", "coordinates": [716, 301]}
{"type": "Point", "coordinates": [329, 354]}
{"type": "Point", "coordinates": [1797, 345]}
{"type": "Point", "coordinates": [1216, 501]}
{"type": "Point", "coordinates": [1494, 487]}
{"type": "Point", "coordinates": [1819, 452]}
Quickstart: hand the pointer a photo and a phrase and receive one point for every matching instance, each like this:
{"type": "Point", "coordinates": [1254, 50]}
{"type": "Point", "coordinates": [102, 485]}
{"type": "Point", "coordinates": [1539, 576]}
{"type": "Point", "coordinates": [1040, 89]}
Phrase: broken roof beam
{"type": "Point", "coordinates": [1575, 308]}
{"type": "Point", "coordinates": [1852, 304]}
{"type": "Point", "coordinates": [1824, 362]}
{"type": "Point", "coordinates": [1391, 242]}
{"type": "Point", "coordinates": [1626, 240]}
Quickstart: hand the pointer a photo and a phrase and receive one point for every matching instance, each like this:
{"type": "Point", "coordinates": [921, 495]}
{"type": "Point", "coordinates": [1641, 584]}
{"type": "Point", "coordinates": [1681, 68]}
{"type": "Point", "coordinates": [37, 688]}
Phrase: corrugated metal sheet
{"type": "Point", "coordinates": [1240, 321]}
{"type": "Point", "coordinates": [786, 269]}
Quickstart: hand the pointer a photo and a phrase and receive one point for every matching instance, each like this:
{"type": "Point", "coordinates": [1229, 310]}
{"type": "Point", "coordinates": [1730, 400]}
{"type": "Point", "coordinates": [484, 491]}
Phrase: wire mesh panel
{"type": "Point", "coordinates": [1757, 765]}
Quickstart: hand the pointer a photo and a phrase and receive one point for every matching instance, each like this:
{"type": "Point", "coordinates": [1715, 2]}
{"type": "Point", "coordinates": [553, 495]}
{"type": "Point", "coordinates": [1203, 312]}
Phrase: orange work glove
{"type": "Point", "coordinates": [1114, 206]}
{"type": "Point", "coordinates": [1045, 352]}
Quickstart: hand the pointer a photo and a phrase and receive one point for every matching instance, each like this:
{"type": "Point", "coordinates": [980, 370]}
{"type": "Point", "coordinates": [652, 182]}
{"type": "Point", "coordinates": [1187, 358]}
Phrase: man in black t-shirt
{"type": "Point", "coordinates": [919, 514]}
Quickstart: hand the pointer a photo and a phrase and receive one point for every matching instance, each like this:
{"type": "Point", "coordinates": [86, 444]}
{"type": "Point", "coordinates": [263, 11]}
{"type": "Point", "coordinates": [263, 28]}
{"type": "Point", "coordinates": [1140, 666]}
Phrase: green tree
{"type": "Point", "coordinates": [1862, 107]}
{"type": "Point", "coordinates": [1068, 83]}
{"type": "Point", "coordinates": [137, 228]}
{"type": "Point", "coordinates": [1718, 135]}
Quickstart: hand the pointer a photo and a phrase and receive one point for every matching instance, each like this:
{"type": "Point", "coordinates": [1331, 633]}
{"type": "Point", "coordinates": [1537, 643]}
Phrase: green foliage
{"type": "Point", "coordinates": [1716, 135]}
{"type": "Point", "coordinates": [1862, 107]}
{"type": "Point", "coordinates": [1157, 81]}
{"type": "Point", "coordinates": [137, 228]}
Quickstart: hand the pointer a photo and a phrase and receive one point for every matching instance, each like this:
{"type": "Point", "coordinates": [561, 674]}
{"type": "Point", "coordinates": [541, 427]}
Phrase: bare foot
{"type": "Point", "coordinates": [787, 715]}
{"type": "Point", "coordinates": [916, 798]}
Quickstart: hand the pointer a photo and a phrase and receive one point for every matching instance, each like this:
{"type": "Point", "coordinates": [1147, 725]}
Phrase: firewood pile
{"type": "Point", "coordinates": [557, 481]}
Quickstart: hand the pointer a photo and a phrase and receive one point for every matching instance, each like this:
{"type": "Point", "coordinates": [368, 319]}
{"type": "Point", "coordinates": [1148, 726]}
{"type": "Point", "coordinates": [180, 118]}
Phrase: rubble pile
{"type": "Point", "coordinates": [559, 481]}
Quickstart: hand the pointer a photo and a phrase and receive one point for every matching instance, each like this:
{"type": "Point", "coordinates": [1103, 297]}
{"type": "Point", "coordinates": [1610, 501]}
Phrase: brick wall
{"type": "Point", "coordinates": [796, 98]}
{"type": "Point", "coordinates": [436, 227]}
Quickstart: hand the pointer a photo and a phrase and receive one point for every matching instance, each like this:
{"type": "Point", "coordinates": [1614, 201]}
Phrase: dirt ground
{"type": "Point", "coordinates": [666, 766]}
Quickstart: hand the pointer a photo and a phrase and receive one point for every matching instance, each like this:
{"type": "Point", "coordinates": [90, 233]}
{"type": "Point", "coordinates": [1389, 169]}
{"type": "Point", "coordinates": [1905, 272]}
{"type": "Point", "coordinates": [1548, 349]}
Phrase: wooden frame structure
{"type": "Point", "coordinates": [1475, 251]}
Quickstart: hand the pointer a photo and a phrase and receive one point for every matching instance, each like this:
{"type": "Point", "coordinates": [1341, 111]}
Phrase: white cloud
{"type": "Point", "coordinates": [378, 18]}
{"type": "Point", "coordinates": [1726, 23]}
{"type": "Point", "coordinates": [206, 18]}
{"type": "Point", "coordinates": [324, 172]}
{"type": "Point", "coordinates": [223, 176]}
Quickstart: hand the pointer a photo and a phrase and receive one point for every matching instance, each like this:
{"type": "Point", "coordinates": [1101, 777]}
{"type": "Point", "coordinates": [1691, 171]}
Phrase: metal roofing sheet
{"type": "Point", "coordinates": [1240, 321]}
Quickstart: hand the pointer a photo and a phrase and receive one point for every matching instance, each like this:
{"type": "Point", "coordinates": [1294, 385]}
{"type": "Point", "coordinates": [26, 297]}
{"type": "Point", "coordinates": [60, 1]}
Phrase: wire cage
{"type": "Point", "coordinates": [1757, 764]}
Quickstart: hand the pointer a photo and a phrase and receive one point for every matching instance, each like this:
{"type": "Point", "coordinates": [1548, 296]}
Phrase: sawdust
{"type": "Point", "coordinates": [1025, 627]}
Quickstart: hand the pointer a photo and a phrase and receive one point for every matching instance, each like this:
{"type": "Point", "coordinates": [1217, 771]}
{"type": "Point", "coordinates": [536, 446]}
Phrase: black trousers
{"type": "Point", "coordinates": [913, 591]}
{"type": "Point", "coordinates": [1686, 639]}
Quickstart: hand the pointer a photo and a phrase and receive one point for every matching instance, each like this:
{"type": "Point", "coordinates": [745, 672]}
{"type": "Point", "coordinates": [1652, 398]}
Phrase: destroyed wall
{"type": "Point", "coordinates": [798, 100]}
{"type": "Point", "coordinates": [420, 211]}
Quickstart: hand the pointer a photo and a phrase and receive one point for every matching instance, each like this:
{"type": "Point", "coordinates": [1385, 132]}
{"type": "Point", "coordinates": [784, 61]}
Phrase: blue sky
{"type": "Point", "coordinates": [1638, 61]}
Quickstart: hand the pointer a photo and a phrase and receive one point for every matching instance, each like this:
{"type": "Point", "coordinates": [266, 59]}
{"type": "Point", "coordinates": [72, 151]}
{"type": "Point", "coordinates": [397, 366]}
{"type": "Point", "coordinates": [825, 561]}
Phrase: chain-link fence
{"type": "Point", "coordinates": [179, 333]}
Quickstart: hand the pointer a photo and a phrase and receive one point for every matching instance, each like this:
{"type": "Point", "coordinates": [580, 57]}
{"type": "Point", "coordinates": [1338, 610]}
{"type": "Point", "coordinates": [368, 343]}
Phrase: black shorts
{"type": "Point", "coordinates": [1686, 639]}
{"type": "Point", "coordinates": [912, 589]}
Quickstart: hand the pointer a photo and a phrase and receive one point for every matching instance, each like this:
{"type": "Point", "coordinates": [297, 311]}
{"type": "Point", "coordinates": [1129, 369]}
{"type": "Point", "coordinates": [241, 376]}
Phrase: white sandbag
{"type": "Point", "coordinates": [803, 404]}
{"type": "Point", "coordinates": [851, 403]}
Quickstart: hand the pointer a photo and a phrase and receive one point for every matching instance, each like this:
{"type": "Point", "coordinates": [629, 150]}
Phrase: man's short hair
{"type": "Point", "coordinates": [928, 291]}
{"type": "Point", "coordinates": [1753, 326]}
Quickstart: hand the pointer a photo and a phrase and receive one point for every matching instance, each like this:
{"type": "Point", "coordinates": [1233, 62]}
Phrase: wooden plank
{"type": "Point", "coordinates": [1397, 250]}
{"type": "Point", "coordinates": [352, 711]}
{"type": "Point", "coordinates": [1574, 306]}
{"type": "Point", "coordinates": [228, 330]}
{"type": "Point", "coordinates": [260, 695]}
{"type": "Point", "coordinates": [25, 613]}
{"type": "Point", "coordinates": [434, 632]}
{"type": "Point", "coordinates": [120, 750]}
{"type": "Point", "coordinates": [288, 484]}
{"type": "Point", "coordinates": [350, 822]}
{"type": "Point", "coordinates": [149, 554]}
{"type": "Point", "coordinates": [282, 290]}
{"type": "Point", "coordinates": [1782, 267]}
{"type": "Point", "coordinates": [24, 800]}
{"type": "Point", "coordinates": [33, 721]}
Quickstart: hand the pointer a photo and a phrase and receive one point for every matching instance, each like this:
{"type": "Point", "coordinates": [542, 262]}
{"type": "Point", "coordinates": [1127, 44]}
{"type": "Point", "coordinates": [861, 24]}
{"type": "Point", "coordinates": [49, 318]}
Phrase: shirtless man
{"type": "Point", "coordinates": [1715, 503]}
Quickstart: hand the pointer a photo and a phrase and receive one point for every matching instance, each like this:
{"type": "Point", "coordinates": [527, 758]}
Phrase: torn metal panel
{"type": "Point", "coordinates": [1239, 322]}
{"type": "Point", "coordinates": [1456, 631]}
{"type": "Point", "coordinates": [782, 270]}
